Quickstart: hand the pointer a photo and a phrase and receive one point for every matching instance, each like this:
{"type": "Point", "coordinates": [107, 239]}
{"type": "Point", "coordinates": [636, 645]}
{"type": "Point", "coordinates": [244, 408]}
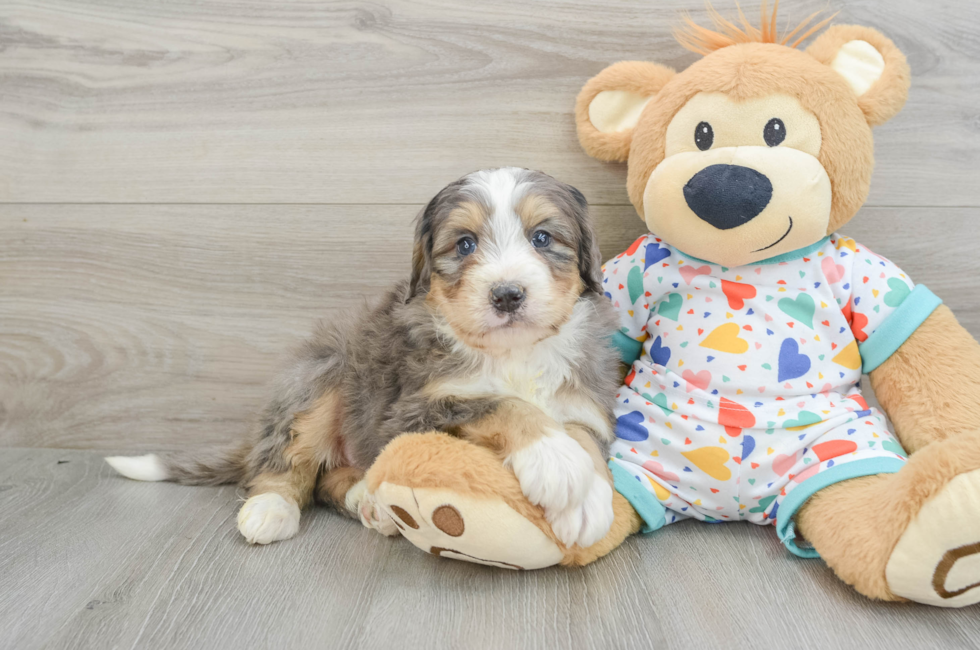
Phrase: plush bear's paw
{"type": "Point", "coordinates": [555, 473]}
{"type": "Point", "coordinates": [365, 506]}
{"type": "Point", "coordinates": [937, 559]}
{"type": "Point", "coordinates": [589, 522]}
{"type": "Point", "coordinates": [466, 527]}
{"type": "Point", "coordinates": [267, 518]}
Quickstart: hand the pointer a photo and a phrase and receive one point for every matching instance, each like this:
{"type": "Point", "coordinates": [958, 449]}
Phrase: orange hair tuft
{"type": "Point", "coordinates": [704, 41]}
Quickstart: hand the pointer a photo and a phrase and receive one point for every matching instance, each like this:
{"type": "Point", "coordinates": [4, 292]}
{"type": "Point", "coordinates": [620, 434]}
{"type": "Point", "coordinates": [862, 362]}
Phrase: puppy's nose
{"type": "Point", "coordinates": [726, 196]}
{"type": "Point", "coordinates": [506, 297]}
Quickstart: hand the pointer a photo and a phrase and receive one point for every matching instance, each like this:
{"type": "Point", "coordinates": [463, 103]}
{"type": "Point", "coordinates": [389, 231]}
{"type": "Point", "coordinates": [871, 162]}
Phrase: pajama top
{"type": "Point", "coordinates": [743, 398]}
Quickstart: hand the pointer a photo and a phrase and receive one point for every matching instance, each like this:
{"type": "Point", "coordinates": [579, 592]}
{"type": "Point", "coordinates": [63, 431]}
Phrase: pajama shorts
{"type": "Point", "coordinates": [671, 465]}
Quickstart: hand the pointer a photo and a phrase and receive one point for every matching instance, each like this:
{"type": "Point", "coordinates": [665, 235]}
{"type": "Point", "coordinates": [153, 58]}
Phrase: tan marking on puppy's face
{"type": "Point", "coordinates": [740, 181]}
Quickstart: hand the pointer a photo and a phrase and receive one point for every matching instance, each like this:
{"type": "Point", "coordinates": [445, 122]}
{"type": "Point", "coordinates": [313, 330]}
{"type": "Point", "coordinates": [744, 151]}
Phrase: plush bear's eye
{"type": "Point", "coordinates": [775, 132]}
{"type": "Point", "coordinates": [703, 136]}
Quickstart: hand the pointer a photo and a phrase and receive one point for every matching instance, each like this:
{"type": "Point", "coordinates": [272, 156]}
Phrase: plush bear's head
{"type": "Point", "coordinates": [755, 150]}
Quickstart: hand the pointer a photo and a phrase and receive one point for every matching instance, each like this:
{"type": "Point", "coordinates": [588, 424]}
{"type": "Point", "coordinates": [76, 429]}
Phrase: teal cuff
{"type": "Point", "coordinates": [786, 527]}
{"type": "Point", "coordinates": [645, 504]}
{"type": "Point", "coordinates": [629, 349]}
{"type": "Point", "coordinates": [898, 327]}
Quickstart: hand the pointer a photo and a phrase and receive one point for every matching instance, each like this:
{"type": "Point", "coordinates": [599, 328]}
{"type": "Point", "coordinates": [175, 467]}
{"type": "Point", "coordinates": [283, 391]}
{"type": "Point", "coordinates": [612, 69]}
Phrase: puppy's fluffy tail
{"type": "Point", "coordinates": [225, 466]}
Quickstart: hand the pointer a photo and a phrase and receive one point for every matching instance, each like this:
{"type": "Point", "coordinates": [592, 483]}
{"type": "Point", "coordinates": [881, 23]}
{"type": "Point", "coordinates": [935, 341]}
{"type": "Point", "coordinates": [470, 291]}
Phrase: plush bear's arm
{"type": "Point", "coordinates": [930, 387]}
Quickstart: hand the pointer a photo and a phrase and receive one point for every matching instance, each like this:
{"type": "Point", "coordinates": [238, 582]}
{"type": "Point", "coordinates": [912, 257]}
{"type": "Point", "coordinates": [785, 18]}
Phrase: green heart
{"type": "Point", "coordinates": [751, 481]}
{"type": "Point", "coordinates": [661, 401]}
{"type": "Point", "coordinates": [763, 504]}
{"type": "Point", "coordinates": [801, 309]}
{"type": "Point", "coordinates": [684, 344]}
{"type": "Point", "coordinates": [820, 357]}
{"type": "Point", "coordinates": [894, 447]}
{"type": "Point", "coordinates": [665, 441]}
{"type": "Point", "coordinates": [767, 366]}
{"type": "Point", "coordinates": [899, 292]}
{"type": "Point", "coordinates": [806, 419]}
{"type": "Point", "coordinates": [725, 378]}
{"type": "Point", "coordinates": [671, 306]}
{"type": "Point", "coordinates": [634, 282]}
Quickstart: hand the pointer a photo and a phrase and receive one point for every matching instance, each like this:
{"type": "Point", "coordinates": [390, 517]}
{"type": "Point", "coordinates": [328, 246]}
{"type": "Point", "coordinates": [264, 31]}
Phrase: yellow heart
{"type": "Point", "coordinates": [874, 292]}
{"type": "Point", "coordinates": [849, 357]}
{"type": "Point", "coordinates": [770, 451]}
{"type": "Point", "coordinates": [661, 492]}
{"type": "Point", "coordinates": [630, 312]}
{"type": "Point", "coordinates": [698, 502]}
{"type": "Point", "coordinates": [722, 440]}
{"type": "Point", "coordinates": [711, 461]}
{"type": "Point", "coordinates": [823, 305]}
{"type": "Point", "coordinates": [655, 453]}
{"type": "Point", "coordinates": [724, 338]}
{"type": "Point", "coordinates": [781, 413]}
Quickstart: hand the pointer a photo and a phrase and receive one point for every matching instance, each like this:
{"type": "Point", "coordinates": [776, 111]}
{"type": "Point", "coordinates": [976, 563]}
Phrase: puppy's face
{"type": "Point", "coordinates": [504, 255]}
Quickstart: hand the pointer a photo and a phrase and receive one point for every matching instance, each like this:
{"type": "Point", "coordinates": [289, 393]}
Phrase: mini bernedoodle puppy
{"type": "Point", "coordinates": [500, 337]}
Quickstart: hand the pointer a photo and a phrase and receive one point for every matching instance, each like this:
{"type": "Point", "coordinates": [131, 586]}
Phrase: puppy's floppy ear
{"type": "Point", "coordinates": [422, 251]}
{"type": "Point", "coordinates": [589, 257]}
{"type": "Point", "coordinates": [873, 67]}
{"type": "Point", "coordinates": [610, 104]}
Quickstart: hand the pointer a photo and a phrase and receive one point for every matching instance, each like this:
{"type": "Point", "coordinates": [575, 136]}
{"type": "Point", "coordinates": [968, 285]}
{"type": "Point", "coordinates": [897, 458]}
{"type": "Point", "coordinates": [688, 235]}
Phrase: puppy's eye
{"type": "Point", "coordinates": [775, 132]}
{"type": "Point", "coordinates": [540, 239]}
{"type": "Point", "coordinates": [704, 135]}
{"type": "Point", "coordinates": [466, 246]}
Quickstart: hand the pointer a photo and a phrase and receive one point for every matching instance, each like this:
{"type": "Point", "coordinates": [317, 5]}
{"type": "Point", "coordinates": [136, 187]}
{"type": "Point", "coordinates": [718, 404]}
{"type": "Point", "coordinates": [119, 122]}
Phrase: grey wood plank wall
{"type": "Point", "coordinates": [186, 186]}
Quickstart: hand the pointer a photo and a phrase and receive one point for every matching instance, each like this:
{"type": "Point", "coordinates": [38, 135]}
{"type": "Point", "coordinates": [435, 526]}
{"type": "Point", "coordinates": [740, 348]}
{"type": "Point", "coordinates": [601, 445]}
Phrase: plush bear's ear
{"type": "Point", "coordinates": [872, 66]}
{"type": "Point", "coordinates": [610, 104]}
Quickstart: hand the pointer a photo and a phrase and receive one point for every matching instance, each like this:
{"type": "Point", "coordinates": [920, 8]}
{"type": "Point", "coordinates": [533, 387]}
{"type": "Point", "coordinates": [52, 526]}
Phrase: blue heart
{"type": "Point", "coordinates": [654, 254]}
{"type": "Point", "coordinates": [748, 446]}
{"type": "Point", "coordinates": [659, 352]}
{"type": "Point", "coordinates": [792, 364]}
{"type": "Point", "coordinates": [630, 427]}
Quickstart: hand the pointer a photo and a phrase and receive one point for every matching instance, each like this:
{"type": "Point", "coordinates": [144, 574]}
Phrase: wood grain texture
{"type": "Point", "coordinates": [158, 327]}
{"type": "Point", "coordinates": [92, 560]}
{"type": "Point", "coordinates": [386, 101]}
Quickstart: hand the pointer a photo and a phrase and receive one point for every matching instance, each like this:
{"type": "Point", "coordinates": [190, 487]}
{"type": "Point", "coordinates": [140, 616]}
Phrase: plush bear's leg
{"type": "Point", "coordinates": [911, 535]}
{"type": "Point", "coordinates": [452, 498]}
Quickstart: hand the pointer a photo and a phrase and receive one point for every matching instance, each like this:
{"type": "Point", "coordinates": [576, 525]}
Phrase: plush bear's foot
{"type": "Point", "coordinates": [454, 499]}
{"type": "Point", "coordinates": [937, 559]}
{"type": "Point", "coordinates": [910, 535]}
{"type": "Point", "coordinates": [464, 527]}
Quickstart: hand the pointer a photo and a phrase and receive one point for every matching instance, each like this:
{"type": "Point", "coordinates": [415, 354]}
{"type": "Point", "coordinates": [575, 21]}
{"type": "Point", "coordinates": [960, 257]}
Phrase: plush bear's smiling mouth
{"type": "Point", "coordinates": [785, 235]}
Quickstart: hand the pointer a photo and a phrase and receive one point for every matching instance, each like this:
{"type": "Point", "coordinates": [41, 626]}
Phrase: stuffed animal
{"type": "Point", "coordinates": [747, 321]}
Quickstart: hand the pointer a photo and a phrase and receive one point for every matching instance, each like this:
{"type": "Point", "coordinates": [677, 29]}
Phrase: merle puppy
{"type": "Point", "coordinates": [500, 336]}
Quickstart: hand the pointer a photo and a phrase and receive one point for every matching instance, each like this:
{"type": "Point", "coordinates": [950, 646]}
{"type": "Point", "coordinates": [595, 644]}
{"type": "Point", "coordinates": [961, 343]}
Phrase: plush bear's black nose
{"type": "Point", "coordinates": [726, 196]}
{"type": "Point", "coordinates": [506, 297]}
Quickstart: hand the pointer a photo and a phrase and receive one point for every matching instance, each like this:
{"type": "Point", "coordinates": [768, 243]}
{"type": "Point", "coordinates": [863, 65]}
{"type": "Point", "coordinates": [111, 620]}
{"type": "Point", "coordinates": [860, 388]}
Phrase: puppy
{"type": "Point", "coordinates": [500, 337]}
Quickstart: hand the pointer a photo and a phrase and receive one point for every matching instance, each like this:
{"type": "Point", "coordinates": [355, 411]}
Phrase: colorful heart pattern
{"type": "Point", "coordinates": [748, 383]}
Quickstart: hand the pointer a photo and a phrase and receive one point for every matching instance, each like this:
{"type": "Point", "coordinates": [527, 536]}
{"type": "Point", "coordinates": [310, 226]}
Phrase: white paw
{"type": "Point", "coordinates": [267, 518]}
{"type": "Point", "coordinates": [554, 472]}
{"type": "Point", "coordinates": [589, 522]}
{"type": "Point", "coordinates": [362, 503]}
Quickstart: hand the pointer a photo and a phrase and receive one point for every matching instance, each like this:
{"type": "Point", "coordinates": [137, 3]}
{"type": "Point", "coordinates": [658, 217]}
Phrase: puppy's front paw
{"type": "Point", "coordinates": [589, 522]}
{"type": "Point", "coordinates": [554, 472]}
{"type": "Point", "coordinates": [267, 518]}
{"type": "Point", "coordinates": [365, 506]}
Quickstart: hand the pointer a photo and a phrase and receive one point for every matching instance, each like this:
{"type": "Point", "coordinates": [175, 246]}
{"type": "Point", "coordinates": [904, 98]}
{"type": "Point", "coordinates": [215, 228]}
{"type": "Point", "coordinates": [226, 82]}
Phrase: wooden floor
{"type": "Point", "coordinates": [88, 560]}
{"type": "Point", "coordinates": [185, 186]}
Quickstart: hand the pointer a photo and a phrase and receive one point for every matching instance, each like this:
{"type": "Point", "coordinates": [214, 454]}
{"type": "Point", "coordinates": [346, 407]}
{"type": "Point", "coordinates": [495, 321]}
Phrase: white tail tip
{"type": "Point", "coordinates": [139, 468]}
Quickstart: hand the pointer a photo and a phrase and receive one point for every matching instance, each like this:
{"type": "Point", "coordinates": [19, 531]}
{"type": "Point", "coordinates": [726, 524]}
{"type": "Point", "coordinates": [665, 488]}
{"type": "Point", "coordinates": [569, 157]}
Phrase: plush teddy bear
{"type": "Point", "coordinates": [748, 321]}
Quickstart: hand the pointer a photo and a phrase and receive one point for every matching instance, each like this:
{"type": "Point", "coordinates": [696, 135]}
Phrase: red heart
{"type": "Point", "coordinates": [834, 448]}
{"type": "Point", "coordinates": [635, 245]}
{"type": "Point", "coordinates": [742, 368]}
{"type": "Point", "coordinates": [734, 417]}
{"type": "Point", "coordinates": [714, 490]}
{"type": "Point", "coordinates": [737, 293]}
